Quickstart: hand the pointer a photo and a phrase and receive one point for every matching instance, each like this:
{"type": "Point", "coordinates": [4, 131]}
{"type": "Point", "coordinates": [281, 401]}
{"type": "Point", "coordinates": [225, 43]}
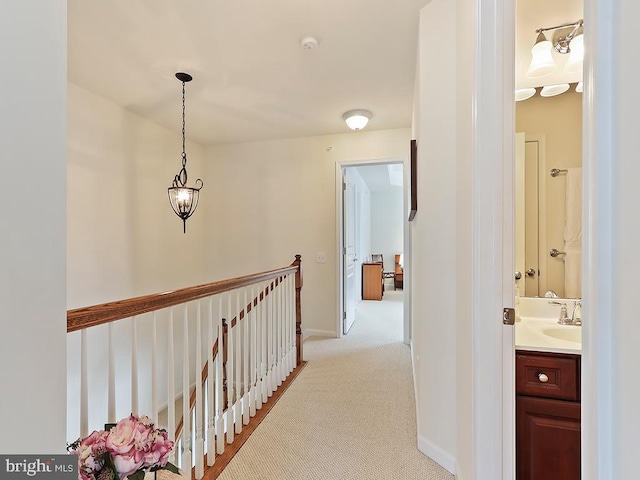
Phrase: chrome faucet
{"type": "Point", "coordinates": [576, 316]}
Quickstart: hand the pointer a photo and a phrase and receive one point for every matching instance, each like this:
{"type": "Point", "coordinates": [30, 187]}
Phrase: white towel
{"type": "Point", "coordinates": [573, 235]}
{"type": "Point", "coordinates": [573, 205]}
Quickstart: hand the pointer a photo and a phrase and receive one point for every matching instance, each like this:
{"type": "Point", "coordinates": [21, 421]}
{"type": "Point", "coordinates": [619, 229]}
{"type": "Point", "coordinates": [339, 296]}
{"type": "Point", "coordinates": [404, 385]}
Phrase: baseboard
{"type": "Point", "coordinates": [435, 453]}
{"type": "Point", "coordinates": [309, 332]}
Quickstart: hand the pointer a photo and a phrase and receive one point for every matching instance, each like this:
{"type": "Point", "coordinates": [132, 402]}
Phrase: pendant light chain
{"type": "Point", "coordinates": [184, 155]}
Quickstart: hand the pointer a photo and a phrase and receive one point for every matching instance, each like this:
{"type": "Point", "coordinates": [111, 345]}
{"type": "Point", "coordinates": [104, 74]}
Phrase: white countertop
{"type": "Point", "coordinates": [546, 335]}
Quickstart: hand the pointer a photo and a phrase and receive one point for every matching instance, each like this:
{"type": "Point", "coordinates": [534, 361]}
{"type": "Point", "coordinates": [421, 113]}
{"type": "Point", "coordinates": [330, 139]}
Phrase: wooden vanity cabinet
{"type": "Point", "coordinates": [547, 416]}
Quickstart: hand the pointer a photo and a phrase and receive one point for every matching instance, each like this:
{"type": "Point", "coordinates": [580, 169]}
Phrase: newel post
{"type": "Point", "coordinates": [298, 263]}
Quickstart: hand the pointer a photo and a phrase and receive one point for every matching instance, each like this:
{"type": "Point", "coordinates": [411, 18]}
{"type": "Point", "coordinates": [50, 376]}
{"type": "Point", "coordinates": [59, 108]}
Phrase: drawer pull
{"type": "Point", "coordinates": [543, 378]}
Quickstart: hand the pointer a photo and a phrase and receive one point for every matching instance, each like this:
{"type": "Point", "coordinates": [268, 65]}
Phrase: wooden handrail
{"type": "Point", "coordinates": [86, 317]}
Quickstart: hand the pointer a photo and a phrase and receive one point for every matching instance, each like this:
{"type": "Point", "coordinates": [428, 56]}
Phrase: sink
{"type": "Point", "coordinates": [567, 333]}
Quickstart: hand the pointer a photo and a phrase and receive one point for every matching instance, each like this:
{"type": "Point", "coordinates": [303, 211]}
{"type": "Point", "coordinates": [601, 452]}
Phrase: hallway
{"type": "Point", "coordinates": [350, 414]}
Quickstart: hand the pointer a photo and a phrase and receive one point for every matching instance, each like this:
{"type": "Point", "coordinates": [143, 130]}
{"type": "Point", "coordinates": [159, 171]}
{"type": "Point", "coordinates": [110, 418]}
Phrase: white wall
{"type": "Point", "coordinates": [387, 223]}
{"type": "Point", "coordinates": [123, 237]}
{"type": "Point", "coordinates": [274, 199]}
{"type": "Point", "coordinates": [32, 257]}
{"type": "Point", "coordinates": [434, 237]}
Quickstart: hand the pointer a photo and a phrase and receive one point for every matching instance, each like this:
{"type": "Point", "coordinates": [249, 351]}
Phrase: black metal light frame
{"type": "Point", "coordinates": [184, 199]}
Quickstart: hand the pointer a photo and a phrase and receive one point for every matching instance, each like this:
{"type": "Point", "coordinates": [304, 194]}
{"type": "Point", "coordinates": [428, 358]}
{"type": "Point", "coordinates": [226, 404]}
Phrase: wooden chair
{"type": "Point", "coordinates": [398, 281]}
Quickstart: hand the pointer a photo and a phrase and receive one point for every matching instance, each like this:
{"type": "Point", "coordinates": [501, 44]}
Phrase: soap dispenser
{"type": "Point", "coordinates": [564, 316]}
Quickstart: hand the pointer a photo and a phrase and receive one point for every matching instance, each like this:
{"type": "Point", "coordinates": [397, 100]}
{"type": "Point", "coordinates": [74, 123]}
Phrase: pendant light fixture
{"type": "Point", "coordinates": [184, 199]}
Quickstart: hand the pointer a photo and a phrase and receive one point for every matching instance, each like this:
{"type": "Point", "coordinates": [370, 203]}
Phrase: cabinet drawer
{"type": "Point", "coordinates": [548, 375]}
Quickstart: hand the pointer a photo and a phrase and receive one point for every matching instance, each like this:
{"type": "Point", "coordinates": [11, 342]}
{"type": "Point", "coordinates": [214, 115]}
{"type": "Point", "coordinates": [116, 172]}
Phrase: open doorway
{"type": "Point", "coordinates": [373, 213]}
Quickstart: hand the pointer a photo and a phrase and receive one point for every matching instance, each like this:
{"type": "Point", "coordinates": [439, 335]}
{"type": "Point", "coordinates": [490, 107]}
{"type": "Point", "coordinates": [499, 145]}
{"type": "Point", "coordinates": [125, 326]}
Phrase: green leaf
{"type": "Point", "coordinates": [139, 475]}
{"type": "Point", "coordinates": [172, 468]}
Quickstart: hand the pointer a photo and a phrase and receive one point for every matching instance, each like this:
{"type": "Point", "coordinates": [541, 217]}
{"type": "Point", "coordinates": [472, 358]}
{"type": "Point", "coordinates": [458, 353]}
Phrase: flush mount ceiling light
{"type": "Point", "coordinates": [567, 38]}
{"type": "Point", "coordinates": [357, 119]}
{"type": "Point", "coordinates": [184, 199]}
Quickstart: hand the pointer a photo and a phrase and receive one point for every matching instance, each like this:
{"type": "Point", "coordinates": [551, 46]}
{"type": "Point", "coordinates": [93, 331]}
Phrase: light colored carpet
{"type": "Point", "coordinates": [350, 414]}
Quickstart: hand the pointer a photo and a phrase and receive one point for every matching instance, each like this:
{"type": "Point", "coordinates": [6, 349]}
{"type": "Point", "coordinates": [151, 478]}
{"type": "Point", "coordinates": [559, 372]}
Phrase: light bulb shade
{"type": "Point", "coordinates": [553, 90]}
{"type": "Point", "coordinates": [524, 94]}
{"type": "Point", "coordinates": [580, 87]}
{"type": "Point", "coordinates": [357, 119]}
{"type": "Point", "coordinates": [184, 200]}
{"type": "Point", "coordinates": [542, 63]}
{"type": "Point", "coordinates": [574, 64]}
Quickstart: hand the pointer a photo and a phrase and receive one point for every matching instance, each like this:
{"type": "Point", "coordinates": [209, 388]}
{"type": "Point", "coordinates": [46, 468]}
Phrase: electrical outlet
{"type": "Point", "coordinates": [321, 257]}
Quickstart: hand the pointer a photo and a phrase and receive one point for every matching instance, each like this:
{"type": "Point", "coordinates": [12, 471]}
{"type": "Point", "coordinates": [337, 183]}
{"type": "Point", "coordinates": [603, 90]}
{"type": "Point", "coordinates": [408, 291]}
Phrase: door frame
{"type": "Point", "coordinates": [493, 50]}
{"type": "Point", "coordinates": [340, 237]}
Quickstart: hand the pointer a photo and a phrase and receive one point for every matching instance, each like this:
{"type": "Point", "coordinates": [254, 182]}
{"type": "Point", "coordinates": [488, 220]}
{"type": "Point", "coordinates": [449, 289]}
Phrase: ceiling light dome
{"type": "Point", "coordinates": [574, 64]}
{"type": "Point", "coordinates": [524, 93]}
{"type": "Point", "coordinates": [553, 90]}
{"type": "Point", "coordinates": [357, 119]}
{"type": "Point", "coordinates": [542, 62]}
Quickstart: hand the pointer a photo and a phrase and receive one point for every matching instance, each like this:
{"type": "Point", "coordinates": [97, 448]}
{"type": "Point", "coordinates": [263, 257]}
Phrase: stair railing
{"type": "Point", "coordinates": [229, 344]}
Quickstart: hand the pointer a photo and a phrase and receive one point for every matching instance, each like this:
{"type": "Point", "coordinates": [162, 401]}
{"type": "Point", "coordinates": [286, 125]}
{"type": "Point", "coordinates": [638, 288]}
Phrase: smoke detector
{"type": "Point", "coordinates": [309, 43]}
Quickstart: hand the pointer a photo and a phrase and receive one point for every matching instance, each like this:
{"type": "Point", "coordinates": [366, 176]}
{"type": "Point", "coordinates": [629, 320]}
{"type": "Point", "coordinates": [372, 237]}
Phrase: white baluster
{"type": "Point", "coordinates": [259, 349]}
{"type": "Point", "coordinates": [237, 407]}
{"type": "Point", "coordinates": [211, 383]}
{"type": "Point", "coordinates": [134, 366]}
{"type": "Point", "coordinates": [245, 361]}
{"type": "Point", "coordinates": [186, 415]}
{"type": "Point", "coordinates": [171, 386]}
{"type": "Point", "coordinates": [219, 381]}
{"type": "Point", "coordinates": [292, 322]}
{"type": "Point", "coordinates": [287, 326]}
{"type": "Point", "coordinates": [154, 369]}
{"type": "Point", "coordinates": [199, 405]}
{"type": "Point", "coordinates": [271, 375]}
{"type": "Point", "coordinates": [111, 388]}
{"type": "Point", "coordinates": [230, 376]}
{"type": "Point", "coordinates": [280, 316]}
{"type": "Point", "coordinates": [252, 355]}
{"type": "Point", "coordinates": [84, 386]}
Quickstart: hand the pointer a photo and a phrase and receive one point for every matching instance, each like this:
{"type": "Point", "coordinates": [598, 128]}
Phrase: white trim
{"type": "Point", "coordinates": [598, 153]}
{"type": "Point", "coordinates": [492, 262]}
{"type": "Point", "coordinates": [339, 238]}
{"type": "Point", "coordinates": [311, 332]}
{"type": "Point", "coordinates": [437, 454]}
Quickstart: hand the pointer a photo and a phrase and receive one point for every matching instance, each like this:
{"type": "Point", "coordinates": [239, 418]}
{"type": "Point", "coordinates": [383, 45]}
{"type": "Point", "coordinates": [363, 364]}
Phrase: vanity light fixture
{"type": "Point", "coordinates": [357, 119]}
{"type": "Point", "coordinates": [184, 199]}
{"type": "Point", "coordinates": [567, 38]}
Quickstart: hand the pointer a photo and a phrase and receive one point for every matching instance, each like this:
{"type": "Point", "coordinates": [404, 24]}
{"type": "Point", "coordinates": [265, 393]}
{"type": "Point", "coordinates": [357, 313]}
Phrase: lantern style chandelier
{"type": "Point", "coordinates": [184, 199]}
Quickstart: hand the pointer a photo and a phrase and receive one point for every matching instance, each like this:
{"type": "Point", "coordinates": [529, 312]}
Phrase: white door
{"type": "Point", "coordinates": [350, 258]}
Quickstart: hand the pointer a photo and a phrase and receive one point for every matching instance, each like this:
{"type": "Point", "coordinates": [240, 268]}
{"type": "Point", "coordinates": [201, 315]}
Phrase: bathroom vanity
{"type": "Point", "coordinates": [547, 399]}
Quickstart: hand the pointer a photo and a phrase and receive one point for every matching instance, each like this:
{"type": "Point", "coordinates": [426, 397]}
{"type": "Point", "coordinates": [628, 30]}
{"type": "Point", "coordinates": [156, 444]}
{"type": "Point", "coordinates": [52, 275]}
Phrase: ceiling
{"type": "Point", "coordinates": [252, 78]}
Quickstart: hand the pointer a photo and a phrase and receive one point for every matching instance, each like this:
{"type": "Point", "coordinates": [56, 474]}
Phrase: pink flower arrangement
{"type": "Point", "coordinates": [129, 449]}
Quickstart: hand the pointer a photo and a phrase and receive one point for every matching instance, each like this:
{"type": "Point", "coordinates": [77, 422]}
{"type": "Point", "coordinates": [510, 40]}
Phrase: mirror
{"type": "Point", "coordinates": [548, 204]}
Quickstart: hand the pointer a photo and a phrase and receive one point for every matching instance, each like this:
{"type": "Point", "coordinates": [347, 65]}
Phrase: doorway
{"type": "Point", "coordinates": [371, 205]}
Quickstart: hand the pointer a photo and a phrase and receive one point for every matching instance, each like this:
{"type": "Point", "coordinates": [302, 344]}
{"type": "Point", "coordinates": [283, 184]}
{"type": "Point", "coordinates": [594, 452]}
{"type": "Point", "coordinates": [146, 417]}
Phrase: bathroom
{"type": "Point", "coordinates": [548, 204]}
